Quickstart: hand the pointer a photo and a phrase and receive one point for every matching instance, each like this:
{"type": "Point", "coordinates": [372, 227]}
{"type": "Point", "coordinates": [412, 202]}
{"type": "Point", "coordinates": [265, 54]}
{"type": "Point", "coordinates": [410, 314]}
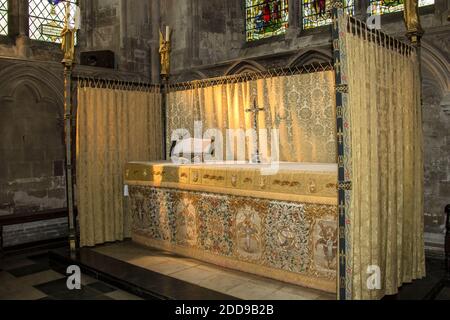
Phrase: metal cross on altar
{"type": "Point", "coordinates": [256, 158]}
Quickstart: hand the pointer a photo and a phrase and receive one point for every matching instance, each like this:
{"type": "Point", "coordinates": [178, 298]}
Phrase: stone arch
{"type": "Point", "coordinates": [244, 66]}
{"type": "Point", "coordinates": [36, 78]}
{"type": "Point", "coordinates": [29, 85]}
{"type": "Point", "coordinates": [32, 138]}
{"type": "Point", "coordinates": [190, 75]}
{"type": "Point", "coordinates": [435, 69]}
{"type": "Point", "coordinates": [308, 57]}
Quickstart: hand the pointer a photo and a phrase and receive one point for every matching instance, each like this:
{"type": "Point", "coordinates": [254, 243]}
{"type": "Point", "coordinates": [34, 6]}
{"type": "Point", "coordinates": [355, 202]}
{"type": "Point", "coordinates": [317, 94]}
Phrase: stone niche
{"type": "Point", "coordinates": [31, 146]}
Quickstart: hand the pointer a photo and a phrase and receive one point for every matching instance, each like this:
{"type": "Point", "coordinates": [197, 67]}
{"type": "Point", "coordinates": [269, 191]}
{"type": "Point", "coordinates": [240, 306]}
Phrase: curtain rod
{"type": "Point", "coordinates": [251, 76]}
{"type": "Point", "coordinates": [89, 80]}
{"type": "Point", "coordinates": [361, 30]}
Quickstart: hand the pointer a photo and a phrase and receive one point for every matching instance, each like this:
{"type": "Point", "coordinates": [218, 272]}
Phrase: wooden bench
{"type": "Point", "coordinates": [21, 218]}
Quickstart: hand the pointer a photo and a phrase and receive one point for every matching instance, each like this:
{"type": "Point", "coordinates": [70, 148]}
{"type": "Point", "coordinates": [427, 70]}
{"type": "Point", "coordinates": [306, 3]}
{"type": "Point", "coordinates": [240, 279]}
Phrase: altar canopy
{"type": "Point", "coordinates": [116, 123]}
{"type": "Point", "coordinates": [365, 240]}
{"type": "Point", "coordinates": [383, 160]}
{"type": "Point", "coordinates": [301, 106]}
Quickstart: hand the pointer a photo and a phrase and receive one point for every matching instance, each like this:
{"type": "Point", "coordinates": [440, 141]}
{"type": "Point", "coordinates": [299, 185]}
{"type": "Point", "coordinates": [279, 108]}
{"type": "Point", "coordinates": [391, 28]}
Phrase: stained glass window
{"type": "Point", "coordinates": [47, 20]}
{"type": "Point", "coordinates": [266, 18]}
{"type": "Point", "coordinates": [316, 13]}
{"type": "Point", "coordinates": [388, 6]}
{"type": "Point", "coordinates": [4, 17]}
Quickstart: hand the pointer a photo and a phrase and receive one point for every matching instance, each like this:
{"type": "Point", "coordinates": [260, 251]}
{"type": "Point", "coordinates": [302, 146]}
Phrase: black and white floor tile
{"type": "Point", "coordinates": [29, 277]}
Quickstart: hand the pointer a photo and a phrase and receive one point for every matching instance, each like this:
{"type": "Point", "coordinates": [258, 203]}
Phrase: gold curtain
{"type": "Point", "coordinates": [301, 106]}
{"type": "Point", "coordinates": [386, 211]}
{"type": "Point", "coordinates": [114, 127]}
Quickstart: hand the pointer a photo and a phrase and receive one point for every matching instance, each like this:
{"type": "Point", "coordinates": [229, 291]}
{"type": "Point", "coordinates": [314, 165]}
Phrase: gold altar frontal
{"type": "Point", "coordinates": [282, 226]}
{"type": "Point", "coordinates": [300, 182]}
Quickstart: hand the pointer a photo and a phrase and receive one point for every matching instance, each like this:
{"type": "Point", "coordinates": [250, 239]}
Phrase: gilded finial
{"type": "Point", "coordinates": [68, 38]}
{"type": "Point", "coordinates": [164, 52]}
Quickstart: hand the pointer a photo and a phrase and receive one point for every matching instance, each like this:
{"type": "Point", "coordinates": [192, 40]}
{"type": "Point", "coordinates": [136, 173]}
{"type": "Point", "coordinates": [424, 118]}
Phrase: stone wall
{"type": "Point", "coordinates": [123, 27]}
{"type": "Point", "coordinates": [436, 113]}
{"type": "Point", "coordinates": [31, 147]}
{"type": "Point", "coordinates": [31, 142]}
{"type": "Point", "coordinates": [35, 231]}
{"type": "Point", "coordinates": [208, 40]}
{"type": "Point", "coordinates": [32, 153]}
{"type": "Point", "coordinates": [204, 32]}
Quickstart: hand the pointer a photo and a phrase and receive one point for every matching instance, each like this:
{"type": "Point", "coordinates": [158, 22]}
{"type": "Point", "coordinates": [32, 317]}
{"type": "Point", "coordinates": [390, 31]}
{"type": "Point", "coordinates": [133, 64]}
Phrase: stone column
{"type": "Point", "coordinates": [193, 44]}
{"type": "Point", "coordinates": [155, 21]}
{"type": "Point", "coordinates": [18, 26]}
{"type": "Point", "coordinates": [23, 25]}
{"type": "Point", "coordinates": [87, 23]}
{"type": "Point", "coordinates": [122, 47]}
{"type": "Point", "coordinates": [123, 23]}
{"type": "Point", "coordinates": [361, 9]}
{"type": "Point", "coordinates": [294, 18]}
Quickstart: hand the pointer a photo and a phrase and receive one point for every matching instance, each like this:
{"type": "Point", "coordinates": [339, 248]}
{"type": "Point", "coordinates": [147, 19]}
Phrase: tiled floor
{"type": "Point", "coordinates": [132, 278]}
{"type": "Point", "coordinates": [237, 284]}
{"type": "Point", "coordinates": [26, 277]}
{"type": "Point", "coordinates": [29, 277]}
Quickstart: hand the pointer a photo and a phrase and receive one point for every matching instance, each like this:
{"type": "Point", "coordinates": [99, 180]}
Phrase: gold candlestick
{"type": "Point", "coordinates": [412, 21]}
{"type": "Point", "coordinates": [68, 39]}
{"type": "Point", "coordinates": [164, 52]}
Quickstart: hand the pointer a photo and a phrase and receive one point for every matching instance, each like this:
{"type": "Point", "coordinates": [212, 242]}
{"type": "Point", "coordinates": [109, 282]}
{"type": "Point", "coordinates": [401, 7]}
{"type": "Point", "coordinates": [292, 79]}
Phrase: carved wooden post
{"type": "Point", "coordinates": [68, 48]}
{"type": "Point", "coordinates": [164, 93]}
{"type": "Point", "coordinates": [414, 31]}
{"type": "Point", "coordinates": [68, 67]}
{"type": "Point", "coordinates": [344, 185]}
{"type": "Point", "coordinates": [155, 13]}
{"type": "Point", "coordinates": [447, 240]}
{"type": "Point", "coordinates": [164, 50]}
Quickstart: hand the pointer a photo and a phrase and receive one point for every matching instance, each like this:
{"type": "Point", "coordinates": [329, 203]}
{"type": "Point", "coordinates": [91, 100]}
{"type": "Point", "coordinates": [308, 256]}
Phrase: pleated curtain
{"type": "Point", "coordinates": [386, 220]}
{"type": "Point", "coordinates": [301, 107]}
{"type": "Point", "coordinates": [114, 126]}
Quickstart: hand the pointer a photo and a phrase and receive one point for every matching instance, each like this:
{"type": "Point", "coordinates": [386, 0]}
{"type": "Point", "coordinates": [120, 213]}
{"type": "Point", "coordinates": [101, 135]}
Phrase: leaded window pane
{"type": "Point", "coordinates": [4, 17]}
{"type": "Point", "coordinates": [266, 18]}
{"type": "Point", "coordinates": [387, 6]}
{"type": "Point", "coordinates": [316, 13]}
{"type": "Point", "coordinates": [47, 20]}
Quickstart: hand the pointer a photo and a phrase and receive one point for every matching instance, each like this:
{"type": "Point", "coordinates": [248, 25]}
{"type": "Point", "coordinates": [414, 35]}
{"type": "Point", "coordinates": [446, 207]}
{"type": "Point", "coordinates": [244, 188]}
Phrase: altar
{"type": "Point", "coordinates": [282, 226]}
{"type": "Point", "coordinates": [343, 201]}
